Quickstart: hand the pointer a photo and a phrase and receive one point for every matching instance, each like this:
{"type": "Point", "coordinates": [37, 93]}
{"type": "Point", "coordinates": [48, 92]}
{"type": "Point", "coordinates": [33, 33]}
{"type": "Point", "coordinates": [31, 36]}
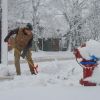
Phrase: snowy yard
{"type": "Point", "coordinates": [70, 23]}
{"type": "Point", "coordinates": [57, 80]}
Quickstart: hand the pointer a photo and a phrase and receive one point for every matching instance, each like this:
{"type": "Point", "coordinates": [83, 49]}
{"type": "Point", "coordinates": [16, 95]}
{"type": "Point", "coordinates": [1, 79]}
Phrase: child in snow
{"type": "Point", "coordinates": [22, 44]}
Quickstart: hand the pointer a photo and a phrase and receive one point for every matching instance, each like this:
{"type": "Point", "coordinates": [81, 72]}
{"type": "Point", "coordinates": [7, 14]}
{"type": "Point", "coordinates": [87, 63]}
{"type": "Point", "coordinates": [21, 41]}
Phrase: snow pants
{"type": "Point", "coordinates": [17, 53]}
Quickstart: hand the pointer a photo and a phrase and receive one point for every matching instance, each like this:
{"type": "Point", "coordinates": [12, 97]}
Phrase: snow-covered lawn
{"type": "Point", "coordinates": [45, 56]}
{"type": "Point", "coordinates": [50, 73]}
{"type": "Point", "coordinates": [52, 93]}
{"type": "Point", "coordinates": [57, 80]}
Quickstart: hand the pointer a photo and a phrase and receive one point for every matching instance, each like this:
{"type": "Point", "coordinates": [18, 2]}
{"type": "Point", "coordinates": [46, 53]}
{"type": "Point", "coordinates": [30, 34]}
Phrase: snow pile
{"type": "Point", "coordinates": [62, 73]}
{"type": "Point", "coordinates": [4, 71]}
{"type": "Point", "coordinates": [92, 49]}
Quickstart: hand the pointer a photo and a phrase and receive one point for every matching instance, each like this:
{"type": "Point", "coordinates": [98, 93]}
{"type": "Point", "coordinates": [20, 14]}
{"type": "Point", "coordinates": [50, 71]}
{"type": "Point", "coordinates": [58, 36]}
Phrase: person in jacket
{"type": "Point", "coordinates": [22, 45]}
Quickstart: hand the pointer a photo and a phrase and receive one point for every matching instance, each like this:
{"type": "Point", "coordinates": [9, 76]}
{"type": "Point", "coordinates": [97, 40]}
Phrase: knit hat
{"type": "Point", "coordinates": [29, 26]}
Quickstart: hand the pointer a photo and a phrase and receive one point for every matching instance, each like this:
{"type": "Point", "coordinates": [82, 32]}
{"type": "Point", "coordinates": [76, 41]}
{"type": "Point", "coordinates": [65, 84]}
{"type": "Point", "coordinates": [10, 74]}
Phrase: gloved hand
{"type": "Point", "coordinates": [23, 55]}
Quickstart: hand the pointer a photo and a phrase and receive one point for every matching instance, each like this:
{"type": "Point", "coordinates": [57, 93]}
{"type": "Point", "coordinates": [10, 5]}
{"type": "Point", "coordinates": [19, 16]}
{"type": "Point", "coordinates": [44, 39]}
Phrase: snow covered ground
{"type": "Point", "coordinates": [43, 56]}
{"type": "Point", "coordinates": [57, 80]}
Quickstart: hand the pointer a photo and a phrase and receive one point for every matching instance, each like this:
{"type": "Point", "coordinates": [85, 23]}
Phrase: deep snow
{"type": "Point", "coordinates": [57, 80]}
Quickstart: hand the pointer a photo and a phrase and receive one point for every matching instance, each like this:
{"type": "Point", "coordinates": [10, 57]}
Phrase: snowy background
{"type": "Point", "coordinates": [75, 22]}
